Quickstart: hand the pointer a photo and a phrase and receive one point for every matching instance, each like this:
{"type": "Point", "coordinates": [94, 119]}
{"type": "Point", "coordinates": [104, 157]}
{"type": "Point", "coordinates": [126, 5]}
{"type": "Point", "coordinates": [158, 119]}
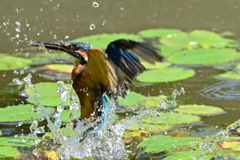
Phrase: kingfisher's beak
{"type": "Point", "coordinates": [67, 47]}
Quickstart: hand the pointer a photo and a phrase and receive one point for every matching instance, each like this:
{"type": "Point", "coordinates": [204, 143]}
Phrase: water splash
{"type": "Point", "coordinates": [108, 143]}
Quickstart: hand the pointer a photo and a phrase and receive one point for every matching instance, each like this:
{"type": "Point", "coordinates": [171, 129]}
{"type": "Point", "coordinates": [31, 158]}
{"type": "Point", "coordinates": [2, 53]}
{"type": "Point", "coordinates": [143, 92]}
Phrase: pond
{"type": "Point", "coordinates": [201, 51]}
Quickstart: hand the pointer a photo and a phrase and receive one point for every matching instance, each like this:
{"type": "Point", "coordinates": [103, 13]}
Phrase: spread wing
{"type": "Point", "coordinates": [126, 64]}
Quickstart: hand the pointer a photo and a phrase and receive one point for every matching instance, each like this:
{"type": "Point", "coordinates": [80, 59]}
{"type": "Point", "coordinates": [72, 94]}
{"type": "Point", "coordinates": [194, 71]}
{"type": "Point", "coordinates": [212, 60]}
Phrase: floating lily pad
{"type": "Point", "coordinates": [166, 50]}
{"type": "Point", "coordinates": [230, 74]}
{"type": "Point", "coordinates": [11, 62]}
{"type": "Point", "coordinates": [187, 155]}
{"type": "Point", "coordinates": [20, 113]}
{"type": "Point", "coordinates": [158, 32]}
{"type": "Point", "coordinates": [102, 40]}
{"type": "Point", "coordinates": [153, 101]}
{"type": "Point", "coordinates": [198, 109]}
{"type": "Point", "coordinates": [148, 127]}
{"type": "Point", "coordinates": [24, 141]}
{"type": "Point", "coordinates": [170, 118]}
{"type": "Point", "coordinates": [48, 95]}
{"type": "Point", "coordinates": [132, 98]}
{"type": "Point", "coordinates": [161, 142]}
{"type": "Point", "coordinates": [196, 39]}
{"type": "Point", "coordinates": [8, 152]}
{"type": "Point", "coordinates": [204, 56]}
{"type": "Point", "coordinates": [165, 75]}
{"type": "Point", "coordinates": [233, 145]}
{"type": "Point", "coordinates": [135, 133]}
{"type": "Point", "coordinates": [60, 67]}
{"type": "Point", "coordinates": [66, 114]}
{"type": "Point", "coordinates": [157, 65]}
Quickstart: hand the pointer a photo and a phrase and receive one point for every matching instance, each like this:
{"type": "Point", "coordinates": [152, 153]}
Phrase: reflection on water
{"type": "Point", "coordinates": [226, 89]}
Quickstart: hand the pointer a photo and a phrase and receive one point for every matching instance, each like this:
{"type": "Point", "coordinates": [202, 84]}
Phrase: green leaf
{"type": "Point", "coordinates": [166, 50]}
{"type": "Point", "coordinates": [186, 155]}
{"type": "Point", "coordinates": [65, 115]}
{"type": "Point", "coordinates": [153, 101]}
{"type": "Point", "coordinates": [20, 113]}
{"type": "Point", "coordinates": [198, 109]}
{"type": "Point", "coordinates": [60, 67]}
{"type": "Point", "coordinates": [132, 98]}
{"type": "Point", "coordinates": [24, 141]}
{"type": "Point", "coordinates": [11, 62]}
{"type": "Point", "coordinates": [165, 75]}
{"type": "Point", "coordinates": [196, 39]}
{"type": "Point", "coordinates": [102, 40]}
{"type": "Point", "coordinates": [157, 65]}
{"type": "Point", "coordinates": [48, 95]}
{"type": "Point", "coordinates": [204, 56]}
{"type": "Point", "coordinates": [8, 151]}
{"type": "Point", "coordinates": [158, 32]}
{"type": "Point", "coordinates": [161, 142]}
{"type": "Point", "coordinates": [230, 74]}
{"type": "Point", "coordinates": [153, 128]}
{"type": "Point", "coordinates": [170, 118]}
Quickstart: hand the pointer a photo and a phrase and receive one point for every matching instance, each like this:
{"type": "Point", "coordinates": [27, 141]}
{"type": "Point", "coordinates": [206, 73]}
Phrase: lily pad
{"type": "Point", "coordinates": [230, 74]}
{"type": "Point", "coordinates": [132, 98]}
{"type": "Point", "coordinates": [196, 39]}
{"type": "Point", "coordinates": [149, 127]}
{"type": "Point", "coordinates": [165, 75]}
{"type": "Point", "coordinates": [233, 145]}
{"type": "Point", "coordinates": [24, 141]}
{"type": "Point", "coordinates": [186, 156]}
{"type": "Point", "coordinates": [48, 95]}
{"type": "Point", "coordinates": [158, 32]}
{"type": "Point", "coordinates": [102, 40]}
{"type": "Point", "coordinates": [161, 142]}
{"type": "Point", "coordinates": [170, 118]}
{"type": "Point", "coordinates": [60, 67]}
{"type": "Point", "coordinates": [204, 56]}
{"type": "Point", "coordinates": [11, 62]}
{"type": "Point", "coordinates": [66, 114]}
{"type": "Point", "coordinates": [157, 65]}
{"type": "Point", "coordinates": [8, 152]}
{"type": "Point", "coordinates": [153, 101]}
{"type": "Point", "coordinates": [20, 113]}
{"type": "Point", "coordinates": [198, 109]}
{"type": "Point", "coordinates": [167, 50]}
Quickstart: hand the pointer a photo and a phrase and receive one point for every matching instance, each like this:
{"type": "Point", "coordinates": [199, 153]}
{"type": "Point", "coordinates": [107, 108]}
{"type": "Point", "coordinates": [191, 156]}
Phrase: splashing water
{"type": "Point", "coordinates": [107, 145]}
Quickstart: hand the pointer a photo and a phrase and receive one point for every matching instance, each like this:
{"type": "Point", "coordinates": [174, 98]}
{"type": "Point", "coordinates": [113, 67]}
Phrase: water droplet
{"type": "Point", "coordinates": [18, 29]}
{"type": "Point", "coordinates": [58, 5]}
{"type": "Point", "coordinates": [104, 22]}
{"type": "Point", "coordinates": [121, 8]}
{"type": "Point", "coordinates": [20, 124]}
{"type": "Point", "coordinates": [17, 81]}
{"type": "Point", "coordinates": [92, 26]}
{"type": "Point", "coordinates": [15, 72]}
{"type": "Point", "coordinates": [41, 9]}
{"type": "Point", "coordinates": [67, 36]}
{"type": "Point", "coordinates": [27, 24]}
{"type": "Point", "coordinates": [18, 23]}
{"type": "Point", "coordinates": [21, 71]}
{"type": "Point", "coordinates": [55, 36]}
{"type": "Point", "coordinates": [95, 4]}
{"type": "Point", "coordinates": [17, 35]}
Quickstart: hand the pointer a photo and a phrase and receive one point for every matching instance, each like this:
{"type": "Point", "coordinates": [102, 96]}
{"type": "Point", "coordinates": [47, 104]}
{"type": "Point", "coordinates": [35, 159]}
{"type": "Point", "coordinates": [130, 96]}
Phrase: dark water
{"type": "Point", "coordinates": [67, 20]}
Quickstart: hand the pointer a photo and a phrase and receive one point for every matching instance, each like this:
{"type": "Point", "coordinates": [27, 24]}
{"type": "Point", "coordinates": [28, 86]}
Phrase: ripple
{"type": "Point", "coordinates": [227, 89]}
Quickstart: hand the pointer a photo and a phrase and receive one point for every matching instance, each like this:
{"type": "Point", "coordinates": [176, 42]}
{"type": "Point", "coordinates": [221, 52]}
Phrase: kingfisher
{"type": "Point", "coordinates": [99, 75]}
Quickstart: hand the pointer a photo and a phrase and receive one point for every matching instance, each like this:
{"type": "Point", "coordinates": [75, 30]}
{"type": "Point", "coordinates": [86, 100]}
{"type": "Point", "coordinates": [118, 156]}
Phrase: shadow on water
{"type": "Point", "coordinates": [21, 21]}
